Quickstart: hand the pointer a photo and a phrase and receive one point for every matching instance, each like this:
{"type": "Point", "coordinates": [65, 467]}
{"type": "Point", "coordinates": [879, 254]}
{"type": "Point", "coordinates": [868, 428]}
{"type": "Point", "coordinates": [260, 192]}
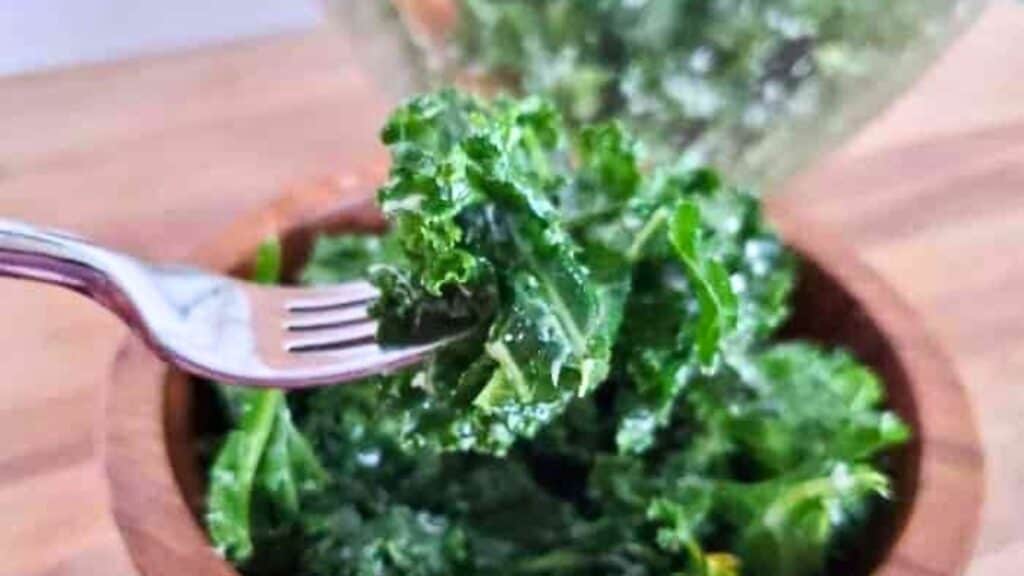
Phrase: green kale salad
{"type": "Point", "coordinates": [728, 81]}
{"type": "Point", "coordinates": [623, 404]}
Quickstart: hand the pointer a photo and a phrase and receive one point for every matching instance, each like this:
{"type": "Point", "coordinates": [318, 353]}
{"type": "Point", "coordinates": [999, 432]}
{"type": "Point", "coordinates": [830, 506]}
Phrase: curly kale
{"type": "Point", "coordinates": [619, 405]}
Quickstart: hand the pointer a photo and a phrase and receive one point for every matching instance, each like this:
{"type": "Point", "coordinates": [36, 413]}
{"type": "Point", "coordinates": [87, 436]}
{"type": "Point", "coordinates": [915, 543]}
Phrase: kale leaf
{"type": "Point", "coordinates": [471, 201]}
{"type": "Point", "coordinates": [786, 525]}
{"type": "Point", "coordinates": [709, 281]}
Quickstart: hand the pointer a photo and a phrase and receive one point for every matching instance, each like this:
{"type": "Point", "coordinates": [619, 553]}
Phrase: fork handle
{"type": "Point", "coordinates": [55, 257]}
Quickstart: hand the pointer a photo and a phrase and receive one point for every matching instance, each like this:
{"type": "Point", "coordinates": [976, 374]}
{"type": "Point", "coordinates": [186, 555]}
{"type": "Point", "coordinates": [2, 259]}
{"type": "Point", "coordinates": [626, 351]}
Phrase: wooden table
{"type": "Point", "coordinates": [153, 155]}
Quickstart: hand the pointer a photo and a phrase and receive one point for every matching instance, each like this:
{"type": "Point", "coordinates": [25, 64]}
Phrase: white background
{"type": "Point", "coordinates": [47, 34]}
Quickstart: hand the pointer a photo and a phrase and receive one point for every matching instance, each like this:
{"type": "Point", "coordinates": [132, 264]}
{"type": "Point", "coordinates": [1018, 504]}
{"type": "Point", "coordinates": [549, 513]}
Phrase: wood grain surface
{"type": "Point", "coordinates": [154, 155]}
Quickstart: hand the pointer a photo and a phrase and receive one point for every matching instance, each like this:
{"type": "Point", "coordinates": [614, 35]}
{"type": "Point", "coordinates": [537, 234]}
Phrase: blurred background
{"type": "Point", "coordinates": [148, 125]}
{"type": "Point", "coordinates": [58, 33]}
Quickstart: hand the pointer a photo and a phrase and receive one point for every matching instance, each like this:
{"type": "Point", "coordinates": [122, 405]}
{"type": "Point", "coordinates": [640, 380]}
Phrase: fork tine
{"type": "Point", "coordinates": [340, 296]}
{"type": "Point", "coordinates": [333, 338]}
{"type": "Point", "coordinates": [328, 319]}
{"type": "Point", "coordinates": [356, 362]}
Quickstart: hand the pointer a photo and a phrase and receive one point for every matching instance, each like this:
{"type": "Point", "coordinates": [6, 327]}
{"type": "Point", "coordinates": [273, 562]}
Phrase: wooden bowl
{"type": "Point", "coordinates": [152, 414]}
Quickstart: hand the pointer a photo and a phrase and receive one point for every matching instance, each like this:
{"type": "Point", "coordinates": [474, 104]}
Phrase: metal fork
{"type": "Point", "coordinates": [213, 325]}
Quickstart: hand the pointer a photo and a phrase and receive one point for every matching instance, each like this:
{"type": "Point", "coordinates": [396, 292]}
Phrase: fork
{"type": "Point", "coordinates": [215, 326]}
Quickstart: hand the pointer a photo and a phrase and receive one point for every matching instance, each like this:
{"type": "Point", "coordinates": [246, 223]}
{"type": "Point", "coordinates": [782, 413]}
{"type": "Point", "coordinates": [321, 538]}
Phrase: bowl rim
{"type": "Point", "coordinates": [935, 537]}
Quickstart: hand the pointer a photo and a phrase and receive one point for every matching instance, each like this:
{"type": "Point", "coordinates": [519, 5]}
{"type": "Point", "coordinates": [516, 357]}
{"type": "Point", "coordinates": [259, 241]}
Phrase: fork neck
{"type": "Point", "coordinates": [51, 270]}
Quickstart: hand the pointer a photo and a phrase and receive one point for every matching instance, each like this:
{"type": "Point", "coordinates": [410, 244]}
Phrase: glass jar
{"type": "Point", "coordinates": [755, 87]}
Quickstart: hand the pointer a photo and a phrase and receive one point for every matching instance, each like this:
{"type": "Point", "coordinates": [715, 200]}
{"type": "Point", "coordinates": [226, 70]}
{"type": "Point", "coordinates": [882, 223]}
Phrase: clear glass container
{"type": "Point", "coordinates": [757, 88]}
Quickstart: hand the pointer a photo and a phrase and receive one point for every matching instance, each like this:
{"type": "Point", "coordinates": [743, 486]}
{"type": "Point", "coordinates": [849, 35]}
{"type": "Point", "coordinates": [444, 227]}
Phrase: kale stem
{"type": "Point", "coordinates": [553, 562]}
{"type": "Point", "coordinates": [656, 221]}
{"type": "Point", "coordinates": [585, 219]}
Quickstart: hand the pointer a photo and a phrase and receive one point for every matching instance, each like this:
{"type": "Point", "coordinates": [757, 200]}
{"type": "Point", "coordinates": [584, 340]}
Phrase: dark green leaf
{"type": "Point", "coordinates": [233, 475]}
{"type": "Point", "coordinates": [709, 280]}
{"type": "Point", "coordinates": [786, 525]}
{"type": "Point", "coordinates": [470, 200]}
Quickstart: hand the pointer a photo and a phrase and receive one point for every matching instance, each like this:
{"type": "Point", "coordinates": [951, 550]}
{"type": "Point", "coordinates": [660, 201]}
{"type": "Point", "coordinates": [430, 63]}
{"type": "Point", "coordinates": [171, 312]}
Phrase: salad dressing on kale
{"type": "Point", "coordinates": [621, 407]}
